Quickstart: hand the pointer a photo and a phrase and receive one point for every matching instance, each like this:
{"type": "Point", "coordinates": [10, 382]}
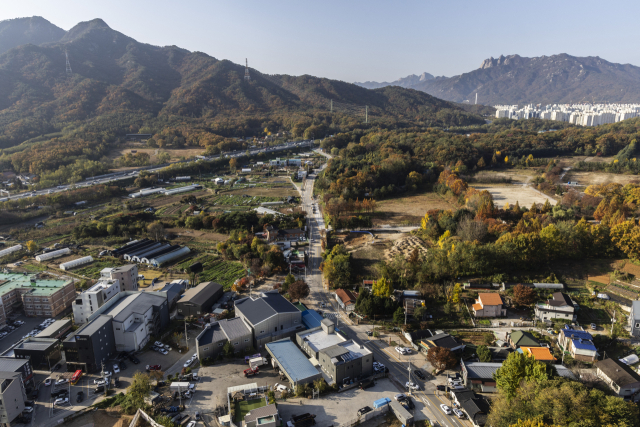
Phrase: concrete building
{"type": "Point", "coordinates": [346, 299]}
{"type": "Point", "coordinates": [90, 346]}
{"type": "Point", "coordinates": [478, 376]}
{"type": "Point", "coordinates": [292, 362]}
{"type": "Point", "coordinates": [346, 361]}
{"type": "Point", "coordinates": [93, 298]}
{"type": "Point", "coordinates": [623, 380]}
{"type": "Point", "coordinates": [489, 305]}
{"type": "Point", "coordinates": [20, 366]}
{"type": "Point", "coordinates": [270, 316]}
{"type": "Point", "coordinates": [56, 330]}
{"type": "Point", "coordinates": [578, 342]}
{"type": "Point", "coordinates": [198, 300]}
{"type": "Point", "coordinates": [136, 317]}
{"type": "Point", "coordinates": [314, 340]}
{"type": "Point", "coordinates": [173, 290]}
{"type": "Point", "coordinates": [634, 319]}
{"type": "Point", "coordinates": [210, 343]}
{"type": "Point", "coordinates": [38, 296]}
{"type": "Point", "coordinates": [11, 397]}
{"type": "Point", "coordinates": [126, 275]}
{"type": "Point", "coordinates": [43, 353]}
{"type": "Point", "coordinates": [560, 306]}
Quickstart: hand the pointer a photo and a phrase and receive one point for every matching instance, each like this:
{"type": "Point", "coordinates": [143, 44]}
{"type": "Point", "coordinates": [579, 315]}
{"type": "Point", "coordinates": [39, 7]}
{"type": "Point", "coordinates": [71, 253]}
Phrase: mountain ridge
{"type": "Point", "coordinates": [32, 30]}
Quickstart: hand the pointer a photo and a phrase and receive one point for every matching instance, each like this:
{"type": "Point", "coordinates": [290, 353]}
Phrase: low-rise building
{"type": "Point", "coordinates": [198, 300]}
{"type": "Point", "coordinates": [477, 410]}
{"type": "Point", "coordinates": [442, 340]}
{"type": "Point", "coordinates": [346, 299]}
{"type": "Point", "coordinates": [489, 305]}
{"type": "Point", "coordinates": [173, 290]}
{"type": "Point", "coordinates": [57, 329]}
{"type": "Point", "coordinates": [43, 353]}
{"type": "Point", "coordinates": [274, 234]}
{"type": "Point", "coordinates": [634, 319]}
{"type": "Point", "coordinates": [90, 346]}
{"type": "Point", "coordinates": [90, 300]}
{"type": "Point", "coordinates": [11, 397]}
{"type": "Point", "coordinates": [623, 380]}
{"type": "Point", "coordinates": [519, 339]}
{"type": "Point", "coordinates": [478, 376]}
{"type": "Point", "coordinates": [541, 354]}
{"type": "Point", "coordinates": [560, 306]}
{"type": "Point", "coordinates": [21, 366]}
{"type": "Point", "coordinates": [37, 294]}
{"type": "Point", "coordinates": [346, 361]}
{"type": "Point", "coordinates": [210, 343]}
{"type": "Point", "coordinates": [316, 339]}
{"type": "Point", "coordinates": [292, 362]}
{"type": "Point", "coordinates": [578, 342]}
{"type": "Point", "coordinates": [126, 275]}
{"type": "Point", "coordinates": [266, 416]}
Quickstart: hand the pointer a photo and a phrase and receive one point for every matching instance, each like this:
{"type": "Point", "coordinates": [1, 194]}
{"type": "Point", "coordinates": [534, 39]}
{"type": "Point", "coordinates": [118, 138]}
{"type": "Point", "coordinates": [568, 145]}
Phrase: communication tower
{"type": "Point", "coordinates": [247, 77]}
{"type": "Point", "coordinates": [66, 55]}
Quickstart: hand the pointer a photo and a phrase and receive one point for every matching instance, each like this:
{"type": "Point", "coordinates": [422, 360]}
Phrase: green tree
{"type": "Point", "coordinates": [398, 315]}
{"type": "Point", "coordinates": [287, 282]}
{"type": "Point", "coordinates": [484, 354]}
{"type": "Point", "coordinates": [139, 389]}
{"type": "Point", "coordinates": [419, 313]}
{"type": "Point", "coordinates": [228, 349]}
{"type": "Point", "coordinates": [519, 368]}
{"type": "Point", "coordinates": [382, 288]}
{"type": "Point", "coordinates": [271, 395]}
{"type": "Point", "coordinates": [165, 420]}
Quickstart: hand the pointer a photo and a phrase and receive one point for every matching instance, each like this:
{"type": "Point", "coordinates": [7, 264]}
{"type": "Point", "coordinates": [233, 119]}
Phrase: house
{"type": "Point", "coordinates": [489, 305]}
{"type": "Point", "coordinates": [623, 380]}
{"type": "Point", "coordinates": [477, 410]}
{"type": "Point", "coordinates": [314, 340]}
{"type": "Point", "coordinates": [634, 319]}
{"type": "Point", "coordinates": [346, 299]}
{"type": "Point", "coordinates": [43, 353]}
{"type": "Point", "coordinates": [266, 416]}
{"type": "Point", "coordinates": [346, 361]}
{"type": "Point", "coordinates": [578, 342]}
{"type": "Point", "coordinates": [541, 354]}
{"type": "Point", "coordinates": [270, 317]}
{"type": "Point", "coordinates": [499, 354]}
{"type": "Point", "coordinates": [210, 343]}
{"type": "Point", "coordinates": [415, 336]}
{"type": "Point", "coordinates": [442, 340]}
{"type": "Point", "coordinates": [478, 376]}
{"type": "Point", "coordinates": [560, 306]}
{"type": "Point", "coordinates": [274, 234]}
{"type": "Point", "coordinates": [518, 339]}
{"type": "Point", "coordinates": [198, 300]}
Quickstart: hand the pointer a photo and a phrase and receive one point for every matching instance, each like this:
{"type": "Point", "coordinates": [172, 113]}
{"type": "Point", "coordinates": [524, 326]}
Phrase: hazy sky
{"type": "Point", "coordinates": [355, 40]}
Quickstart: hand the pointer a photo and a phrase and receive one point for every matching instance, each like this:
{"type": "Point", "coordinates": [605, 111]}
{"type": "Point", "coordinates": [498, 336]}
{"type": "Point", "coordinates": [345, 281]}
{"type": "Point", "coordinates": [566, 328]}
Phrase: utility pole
{"type": "Point", "coordinates": [331, 109]}
{"type": "Point", "coordinates": [186, 338]}
{"type": "Point", "coordinates": [366, 114]}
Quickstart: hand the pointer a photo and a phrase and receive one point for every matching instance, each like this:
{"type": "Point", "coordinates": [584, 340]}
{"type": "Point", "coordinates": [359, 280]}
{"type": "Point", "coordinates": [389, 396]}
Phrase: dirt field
{"type": "Point", "coordinates": [101, 418]}
{"type": "Point", "coordinates": [265, 192]}
{"type": "Point", "coordinates": [404, 246]}
{"type": "Point", "coordinates": [410, 209]}
{"type": "Point", "coordinates": [521, 176]}
{"type": "Point", "coordinates": [589, 178]}
{"type": "Point", "coordinates": [510, 193]}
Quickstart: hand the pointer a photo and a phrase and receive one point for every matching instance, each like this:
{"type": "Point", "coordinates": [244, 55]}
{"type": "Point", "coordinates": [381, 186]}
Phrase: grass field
{"type": "Point", "coordinates": [216, 270]}
{"type": "Point", "coordinates": [589, 178]}
{"type": "Point", "coordinates": [244, 407]}
{"type": "Point", "coordinates": [510, 193]}
{"type": "Point", "coordinates": [409, 209]}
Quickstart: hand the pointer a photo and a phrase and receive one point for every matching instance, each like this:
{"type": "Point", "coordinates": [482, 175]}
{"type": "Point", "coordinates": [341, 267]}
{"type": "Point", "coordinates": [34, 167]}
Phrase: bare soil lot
{"type": "Point", "coordinates": [509, 193]}
{"type": "Point", "coordinates": [589, 178]}
{"type": "Point", "coordinates": [521, 176]}
{"type": "Point", "coordinates": [266, 192]}
{"type": "Point", "coordinates": [410, 209]}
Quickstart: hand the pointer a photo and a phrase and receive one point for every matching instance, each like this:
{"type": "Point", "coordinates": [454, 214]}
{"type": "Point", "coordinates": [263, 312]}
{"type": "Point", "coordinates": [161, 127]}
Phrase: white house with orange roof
{"type": "Point", "coordinates": [489, 305]}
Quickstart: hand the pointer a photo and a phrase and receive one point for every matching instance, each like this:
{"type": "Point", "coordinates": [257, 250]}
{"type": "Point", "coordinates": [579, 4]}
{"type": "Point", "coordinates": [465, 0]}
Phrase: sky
{"type": "Point", "coordinates": [354, 40]}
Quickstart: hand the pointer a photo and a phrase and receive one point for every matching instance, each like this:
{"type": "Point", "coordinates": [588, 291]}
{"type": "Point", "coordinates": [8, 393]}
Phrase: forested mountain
{"type": "Point", "coordinates": [407, 82]}
{"type": "Point", "coordinates": [117, 82]}
{"type": "Point", "coordinates": [546, 79]}
{"type": "Point", "coordinates": [35, 30]}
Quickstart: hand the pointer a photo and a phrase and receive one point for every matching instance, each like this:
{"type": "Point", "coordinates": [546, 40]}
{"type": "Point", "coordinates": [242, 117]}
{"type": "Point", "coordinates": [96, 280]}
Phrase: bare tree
{"type": "Point", "coordinates": [298, 290]}
{"type": "Point", "coordinates": [470, 230]}
{"type": "Point", "coordinates": [156, 230]}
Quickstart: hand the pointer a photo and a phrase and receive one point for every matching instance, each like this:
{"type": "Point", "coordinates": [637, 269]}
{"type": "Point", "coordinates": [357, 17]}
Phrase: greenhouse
{"type": "Point", "coordinates": [171, 256]}
{"type": "Point", "coordinates": [10, 250]}
{"type": "Point", "coordinates": [75, 263]}
{"type": "Point", "coordinates": [52, 255]}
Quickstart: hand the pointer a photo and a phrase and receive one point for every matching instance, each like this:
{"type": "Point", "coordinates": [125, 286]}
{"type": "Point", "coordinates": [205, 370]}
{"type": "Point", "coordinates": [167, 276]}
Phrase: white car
{"type": "Point", "coordinates": [280, 387]}
{"type": "Point", "coordinates": [163, 351]}
{"type": "Point", "coordinates": [107, 373]}
{"type": "Point", "coordinates": [167, 347]}
{"type": "Point", "coordinates": [188, 363]}
{"type": "Point", "coordinates": [445, 409]}
{"type": "Point", "coordinates": [62, 381]}
{"type": "Point", "coordinates": [47, 382]}
{"type": "Point", "coordinates": [411, 386]}
{"type": "Point", "coordinates": [195, 356]}
{"type": "Point", "coordinates": [61, 401]}
{"type": "Point", "coordinates": [192, 424]}
{"type": "Point", "coordinates": [400, 350]}
{"type": "Point", "coordinates": [407, 350]}
{"type": "Point", "coordinates": [158, 344]}
{"type": "Point", "coordinates": [28, 409]}
{"type": "Point", "coordinates": [99, 381]}
{"type": "Point", "coordinates": [116, 369]}
{"type": "Point", "coordinates": [458, 413]}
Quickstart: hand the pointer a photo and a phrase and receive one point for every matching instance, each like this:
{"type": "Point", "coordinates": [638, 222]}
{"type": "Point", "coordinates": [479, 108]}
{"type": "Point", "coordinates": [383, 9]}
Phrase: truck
{"type": "Point", "coordinates": [381, 402]}
{"type": "Point", "coordinates": [181, 386]}
{"type": "Point", "coordinates": [247, 358]}
{"type": "Point", "coordinates": [303, 420]}
{"type": "Point", "coordinates": [251, 371]}
{"type": "Point", "coordinates": [401, 413]}
{"type": "Point", "coordinates": [257, 361]}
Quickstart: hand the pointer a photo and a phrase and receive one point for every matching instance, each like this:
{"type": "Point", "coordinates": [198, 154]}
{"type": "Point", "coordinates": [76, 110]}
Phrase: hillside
{"type": "Point", "coordinates": [34, 30]}
{"type": "Point", "coordinates": [121, 81]}
{"type": "Point", "coordinates": [406, 82]}
{"type": "Point", "coordinates": [547, 79]}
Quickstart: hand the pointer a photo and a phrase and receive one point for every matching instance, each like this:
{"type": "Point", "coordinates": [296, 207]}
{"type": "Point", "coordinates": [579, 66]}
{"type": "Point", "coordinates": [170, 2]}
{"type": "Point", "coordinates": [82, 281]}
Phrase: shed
{"type": "Point", "coordinates": [199, 300]}
{"type": "Point", "coordinates": [292, 362]}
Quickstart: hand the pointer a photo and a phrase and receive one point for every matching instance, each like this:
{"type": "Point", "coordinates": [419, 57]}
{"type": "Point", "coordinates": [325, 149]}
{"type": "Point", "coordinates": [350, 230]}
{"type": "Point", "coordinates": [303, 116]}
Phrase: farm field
{"type": "Point", "coordinates": [408, 210]}
{"type": "Point", "coordinates": [590, 178]}
{"type": "Point", "coordinates": [216, 270]}
{"type": "Point", "coordinates": [510, 193]}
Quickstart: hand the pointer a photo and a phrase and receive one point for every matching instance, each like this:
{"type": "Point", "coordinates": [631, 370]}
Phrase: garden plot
{"type": "Point", "coordinates": [506, 193]}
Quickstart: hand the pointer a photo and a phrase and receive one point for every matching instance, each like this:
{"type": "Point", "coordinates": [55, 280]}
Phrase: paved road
{"type": "Point", "coordinates": [104, 179]}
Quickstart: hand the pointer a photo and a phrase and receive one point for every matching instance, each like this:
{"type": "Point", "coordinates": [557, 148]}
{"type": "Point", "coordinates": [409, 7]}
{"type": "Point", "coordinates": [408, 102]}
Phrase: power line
{"type": "Point", "coordinates": [68, 65]}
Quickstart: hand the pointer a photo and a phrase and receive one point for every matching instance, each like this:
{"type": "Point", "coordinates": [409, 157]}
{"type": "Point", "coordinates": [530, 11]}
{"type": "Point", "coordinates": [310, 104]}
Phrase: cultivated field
{"type": "Point", "coordinates": [589, 178]}
{"type": "Point", "coordinates": [408, 210]}
{"type": "Point", "coordinates": [510, 193]}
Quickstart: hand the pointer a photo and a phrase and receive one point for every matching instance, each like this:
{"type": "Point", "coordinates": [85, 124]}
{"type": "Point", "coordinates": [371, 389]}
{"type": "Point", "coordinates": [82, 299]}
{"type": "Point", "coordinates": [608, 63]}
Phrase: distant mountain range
{"type": "Point", "coordinates": [542, 80]}
{"type": "Point", "coordinates": [406, 82]}
{"type": "Point", "coordinates": [114, 74]}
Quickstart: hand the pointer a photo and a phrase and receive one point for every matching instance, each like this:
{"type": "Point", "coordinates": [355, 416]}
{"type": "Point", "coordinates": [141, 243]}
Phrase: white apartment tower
{"type": "Point", "coordinates": [127, 275]}
{"type": "Point", "coordinates": [93, 298]}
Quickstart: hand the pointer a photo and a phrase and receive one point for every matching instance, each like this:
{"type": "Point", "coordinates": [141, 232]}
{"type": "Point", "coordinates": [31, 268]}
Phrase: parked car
{"type": "Point", "coordinates": [28, 409]}
{"type": "Point", "coordinates": [99, 389]}
{"type": "Point", "coordinates": [61, 401]}
{"type": "Point", "coordinates": [441, 388]}
{"type": "Point", "coordinates": [99, 381]}
{"type": "Point", "coordinates": [280, 387]}
{"type": "Point", "coordinates": [594, 327]}
{"type": "Point", "coordinates": [364, 410]}
{"type": "Point", "coordinates": [400, 350]}
{"type": "Point", "coordinates": [409, 403]}
{"type": "Point", "coordinates": [116, 369]}
{"type": "Point", "coordinates": [197, 416]}
{"type": "Point", "coordinates": [158, 344]}
{"type": "Point", "coordinates": [163, 351]}
{"type": "Point", "coordinates": [123, 365]}
{"type": "Point", "coordinates": [418, 373]}
{"type": "Point", "coordinates": [61, 381]}
{"type": "Point", "coordinates": [445, 409]}
{"type": "Point", "coordinates": [412, 386]}
{"type": "Point", "coordinates": [167, 347]}
{"type": "Point", "coordinates": [154, 368]}
{"type": "Point", "coordinates": [399, 397]}
{"type": "Point", "coordinates": [80, 396]}
{"type": "Point", "coordinates": [458, 413]}
{"type": "Point", "coordinates": [369, 333]}
{"type": "Point", "coordinates": [47, 382]}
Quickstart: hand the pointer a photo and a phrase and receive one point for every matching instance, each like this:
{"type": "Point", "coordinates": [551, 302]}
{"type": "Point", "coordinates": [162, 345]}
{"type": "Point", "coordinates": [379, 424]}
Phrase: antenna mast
{"type": "Point", "coordinates": [247, 77]}
{"type": "Point", "coordinates": [66, 55]}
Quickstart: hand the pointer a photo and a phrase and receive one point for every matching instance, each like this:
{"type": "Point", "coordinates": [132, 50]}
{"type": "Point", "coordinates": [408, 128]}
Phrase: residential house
{"type": "Point", "coordinates": [478, 376]}
{"type": "Point", "coordinates": [634, 319]}
{"type": "Point", "coordinates": [622, 379]}
{"type": "Point", "coordinates": [90, 300]}
{"type": "Point", "coordinates": [578, 342]}
{"type": "Point", "coordinates": [541, 354]}
{"type": "Point", "coordinates": [346, 299]}
{"type": "Point", "coordinates": [416, 336]}
{"type": "Point", "coordinates": [519, 339]}
{"type": "Point", "coordinates": [266, 416]}
{"type": "Point", "coordinates": [489, 305]}
{"type": "Point", "coordinates": [270, 317]}
{"type": "Point", "coordinates": [346, 361]}
{"type": "Point", "coordinates": [442, 340]}
{"type": "Point", "coordinates": [560, 306]}
{"type": "Point", "coordinates": [274, 234]}
{"type": "Point", "coordinates": [477, 410]}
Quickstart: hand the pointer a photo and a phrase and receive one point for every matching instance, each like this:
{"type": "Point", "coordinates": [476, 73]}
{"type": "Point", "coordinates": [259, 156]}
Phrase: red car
{"type": "Point", "coordinates": [250, 372]}
{"type": "Point", "coordinates": [153, 367]}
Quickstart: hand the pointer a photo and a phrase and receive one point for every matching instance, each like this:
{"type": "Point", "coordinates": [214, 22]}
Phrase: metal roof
{"type": "Point", "coordinates": [136, 303]}
{"type": "Point", "coordinates": [292, 360]}
{"type": "Point", "coordinates": [618, 372]}
{"type": "Point", "coordinates": [234, 328]}
{"type": "Point", "coordinates": [581, 344]}
{"type": "Point", "coordinates": [10, 364]}
{"type": "Point", "coordinates": [211, 334]}
{"type": "Point", "coordinates": [520, 338]}
{"type": "Point", "coordinates": [481, 370]}
{"type": "Point", "coordinates": [267, 305]}
{"type": "Point", "coordinates": [311, 319]}
{"type": "Point", "coordinates": [54, 328]}
{"type": "Point", "coordinates": [568, 332]}
{"type": "Point", "coordinates": [93, 326]}
{"type": "Point", "coordinates": [172, 290]}
{"type": "Point", "coordinates": [36, 345]}
{"type": "Point", "coordinates": [201, 293]}
{"type": "Point", "coordinates": [563, 371]}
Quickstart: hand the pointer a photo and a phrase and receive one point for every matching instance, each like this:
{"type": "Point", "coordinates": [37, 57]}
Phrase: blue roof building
{"type": "Point", "coordinates": [578, 342]}
{"type": "Point", "coordinates": [311, 319]}
{"type": "Point", "coordinates": [292, 362]}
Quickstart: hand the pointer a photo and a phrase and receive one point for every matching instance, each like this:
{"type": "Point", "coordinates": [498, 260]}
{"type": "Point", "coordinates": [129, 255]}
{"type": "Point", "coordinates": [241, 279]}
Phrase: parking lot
{"type": "Point", "coordinates": [13, 337]}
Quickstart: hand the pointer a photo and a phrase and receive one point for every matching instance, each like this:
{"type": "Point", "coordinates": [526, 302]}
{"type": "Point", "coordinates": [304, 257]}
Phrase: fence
{"type": "Point", "coordinates": [376, 412]}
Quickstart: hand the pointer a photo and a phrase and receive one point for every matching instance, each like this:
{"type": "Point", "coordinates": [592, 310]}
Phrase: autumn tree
{"type": "Point", "coordinates": [233, 163]}
{"type": "Point", "coordinates": [519, 368]}
{"type": "Point", "coordinates": [156, 230]}
{"type": "Point", "coordinates": [524, 295]}
{"type": "Point", "coordinates": [441, 358]}
{"type": "Point", "coordinates": [287, 282]}
{"type": "Point", "coordinates": [31, 246]}
{"type": "Point", "coordinates": [298, 290]}
{"type": "Point", "coordinates": [382, 288]}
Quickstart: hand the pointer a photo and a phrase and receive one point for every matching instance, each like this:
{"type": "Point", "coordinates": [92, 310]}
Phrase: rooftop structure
{"type": "Point", "coordinates": [293, 362]}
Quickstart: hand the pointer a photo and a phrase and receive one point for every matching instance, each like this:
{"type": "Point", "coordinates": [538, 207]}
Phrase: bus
{"type": "Point", "coordinates": [76, 377]}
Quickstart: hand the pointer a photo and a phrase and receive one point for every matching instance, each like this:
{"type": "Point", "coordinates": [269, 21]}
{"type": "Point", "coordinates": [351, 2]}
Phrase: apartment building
{"type": "Point", "coordinates": [90, 346]}
{"type": "Point", "coordinates": [93, 298]}
{"type": "Point", "coordinates": [39, 296]}
{"type": "Point", "coordinates": [11, 397]}
{"type": "Point", "coordinates": [127, 275]}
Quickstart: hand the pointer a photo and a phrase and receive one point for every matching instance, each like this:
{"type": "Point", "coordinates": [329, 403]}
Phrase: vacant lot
{"type": "Point", "coordinates": [408, 210]}
{"type": "Point", "coordinates": [284, 191]}
{"type": "Point", "coordinates": [510, 193]}
{"type": "Point", "coordinates": [153, 152]}
{"type": "Point", "coordinates": [521, 176]}
{"type": "Point", "coordinates": [589, 178]}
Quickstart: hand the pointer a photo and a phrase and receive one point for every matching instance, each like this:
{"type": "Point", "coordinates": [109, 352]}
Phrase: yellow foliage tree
{"type": "Point", "coordinates": [443, 238]}
{"type": "Point", "coordinates": [425, 221]}
{"type": "Point", "coordinates": [31, 246]}
{"type": "Point", "coordinates": [506, 159]}
{"type": "Point", "coordinates": [455, 295]}
{"type": "Point", "coordinates": [382, 288]}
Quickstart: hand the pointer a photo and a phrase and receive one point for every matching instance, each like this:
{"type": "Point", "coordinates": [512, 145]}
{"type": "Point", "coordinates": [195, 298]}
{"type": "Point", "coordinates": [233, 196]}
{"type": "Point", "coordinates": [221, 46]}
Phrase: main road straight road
{"type": "Point", "coordinates": [318, 295]}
